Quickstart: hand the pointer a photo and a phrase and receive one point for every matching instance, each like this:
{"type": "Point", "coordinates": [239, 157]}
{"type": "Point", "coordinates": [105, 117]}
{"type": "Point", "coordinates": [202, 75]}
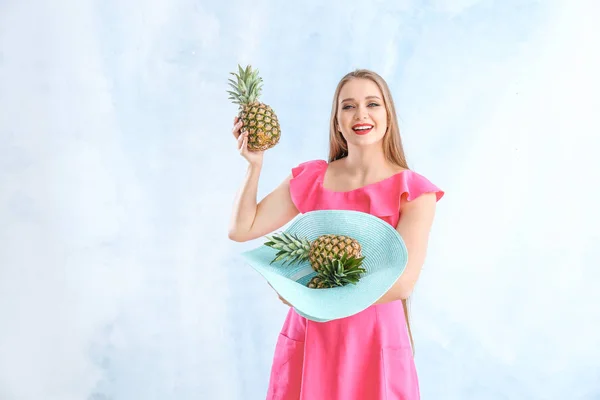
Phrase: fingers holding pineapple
{"type": "Point", "coordinates": [237, 127]}
{"type": "Point", "coordinates": [253, 157]}
{"type": "Point", "coordinates": [242, 141]}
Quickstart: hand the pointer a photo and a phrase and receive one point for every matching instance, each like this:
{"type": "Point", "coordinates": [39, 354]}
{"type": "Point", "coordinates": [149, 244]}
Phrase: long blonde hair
{"type": "Point", "coordinates": [392, 142]}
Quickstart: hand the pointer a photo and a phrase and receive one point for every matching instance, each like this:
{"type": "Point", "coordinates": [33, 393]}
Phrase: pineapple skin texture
{"type": "Point", "coordinates": [330, 246]}
{"type": "Point", "coordinates": [316, 283]}
{"type": "Point", "coordinates": [262, 125]}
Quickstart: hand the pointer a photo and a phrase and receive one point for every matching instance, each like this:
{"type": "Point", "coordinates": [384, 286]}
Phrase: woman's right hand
{"type": "Point", "coordinates": [253, 157]}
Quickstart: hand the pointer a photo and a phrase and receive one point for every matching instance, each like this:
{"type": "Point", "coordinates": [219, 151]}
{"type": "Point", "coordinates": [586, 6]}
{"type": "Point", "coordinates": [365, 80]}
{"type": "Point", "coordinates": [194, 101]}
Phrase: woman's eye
{"type": "Point", "coordinates": [370, 105]}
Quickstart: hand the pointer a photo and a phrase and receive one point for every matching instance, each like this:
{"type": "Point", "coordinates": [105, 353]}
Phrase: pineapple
{"type": "Point", "coordinates": [293, 249]}
{"type": "Point", "coordinates": [258, 118]}
{"type": "Point", "coordinates": [327, 247]}
{"type": "Point", "coordinates": [335, 258]}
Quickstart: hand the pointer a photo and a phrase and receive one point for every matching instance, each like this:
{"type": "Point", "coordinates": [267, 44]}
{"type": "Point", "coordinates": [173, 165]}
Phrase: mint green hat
{"type": "Point", "coordinates": [385, 258]}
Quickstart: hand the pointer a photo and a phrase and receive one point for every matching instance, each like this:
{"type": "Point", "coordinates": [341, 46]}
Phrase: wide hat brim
{"type": "Point", "coordinates": [385, 260]}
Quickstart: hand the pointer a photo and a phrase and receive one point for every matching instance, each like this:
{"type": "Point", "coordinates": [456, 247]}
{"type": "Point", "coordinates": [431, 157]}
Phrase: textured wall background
{"type": "Point", "coordinates": [118, 170]}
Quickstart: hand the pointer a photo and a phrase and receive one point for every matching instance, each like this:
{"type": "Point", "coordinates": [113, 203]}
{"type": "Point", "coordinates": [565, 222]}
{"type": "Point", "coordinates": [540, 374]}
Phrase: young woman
{"type": "Point", "coordinates": [368, 355]}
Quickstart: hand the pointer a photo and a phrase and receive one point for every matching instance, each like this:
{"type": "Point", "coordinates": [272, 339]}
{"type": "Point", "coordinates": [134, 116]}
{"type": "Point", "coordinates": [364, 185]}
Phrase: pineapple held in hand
{"type": "Point", "coordinates": [258, 118]}
{"type": "Point", "coordinates": [337, 259]}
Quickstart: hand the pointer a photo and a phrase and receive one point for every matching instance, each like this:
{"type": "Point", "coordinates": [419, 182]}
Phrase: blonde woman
{"type": "Point", "coordinates": [370, 354]}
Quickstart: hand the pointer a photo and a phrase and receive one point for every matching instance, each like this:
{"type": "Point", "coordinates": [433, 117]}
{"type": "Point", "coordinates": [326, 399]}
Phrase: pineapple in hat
{"type": "Point", "coordinates": [258, 118]}
{"type": "Point", "coordinates": [337, 259]}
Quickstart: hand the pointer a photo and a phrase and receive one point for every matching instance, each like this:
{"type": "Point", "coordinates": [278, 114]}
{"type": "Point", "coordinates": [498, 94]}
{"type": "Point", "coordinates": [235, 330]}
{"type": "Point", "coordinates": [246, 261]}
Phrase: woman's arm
{"type": "Point", "coordinates": [250, 220]}
{"type": "Point", "coordinates": [416, 219]}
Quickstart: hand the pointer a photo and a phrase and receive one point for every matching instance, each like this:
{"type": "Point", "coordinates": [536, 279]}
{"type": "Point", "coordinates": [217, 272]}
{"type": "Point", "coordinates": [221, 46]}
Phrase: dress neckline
{"type": "Point", "coordinates": [321, 178]}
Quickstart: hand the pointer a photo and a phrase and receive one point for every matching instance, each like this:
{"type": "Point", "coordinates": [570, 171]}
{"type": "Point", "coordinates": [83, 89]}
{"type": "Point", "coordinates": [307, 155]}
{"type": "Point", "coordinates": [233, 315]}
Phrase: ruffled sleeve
{"type": "Point", "coordinates": [415, 184]}
{"type": "Point", "coordinates": [384, 198]}
{"type": "Point", "coordinates": [304, 184]}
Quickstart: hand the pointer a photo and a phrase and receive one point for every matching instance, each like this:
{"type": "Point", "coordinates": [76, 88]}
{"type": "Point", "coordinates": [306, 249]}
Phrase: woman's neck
{"type": "Point", "coordinates": [366, 161]}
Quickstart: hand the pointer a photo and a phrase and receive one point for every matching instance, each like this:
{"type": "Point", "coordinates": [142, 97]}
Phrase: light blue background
{"type": "Point", "coordinates": [118, 172]}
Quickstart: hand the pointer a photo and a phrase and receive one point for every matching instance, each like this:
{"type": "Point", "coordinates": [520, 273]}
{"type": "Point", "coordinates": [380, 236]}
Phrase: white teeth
{"type": "Point", "coordinates": [362, 128]}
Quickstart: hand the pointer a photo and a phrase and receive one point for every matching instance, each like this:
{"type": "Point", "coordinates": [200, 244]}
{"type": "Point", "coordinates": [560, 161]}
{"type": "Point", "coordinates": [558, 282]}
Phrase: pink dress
{"type": "Point", "coordinates": [366, 356]}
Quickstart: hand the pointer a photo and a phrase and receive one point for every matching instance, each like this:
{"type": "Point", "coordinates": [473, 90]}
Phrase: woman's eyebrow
{"type": "Point", "coordinates": [368, 97]}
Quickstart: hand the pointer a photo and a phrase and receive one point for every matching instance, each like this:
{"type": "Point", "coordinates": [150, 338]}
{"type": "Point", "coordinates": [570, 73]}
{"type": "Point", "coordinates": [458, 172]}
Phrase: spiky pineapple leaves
{"type": "Point", "coordinates": [341, 271]}
{"type": "Point", "coordinates": [248, 87]}
{"type": "Point", "coordinates": [292, 249]}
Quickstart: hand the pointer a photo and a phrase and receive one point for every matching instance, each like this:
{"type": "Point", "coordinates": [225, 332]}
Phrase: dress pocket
{"type": "Point", "coordinates": [401, 381]}
{"type": "Point", "coordinates": [286, 372]}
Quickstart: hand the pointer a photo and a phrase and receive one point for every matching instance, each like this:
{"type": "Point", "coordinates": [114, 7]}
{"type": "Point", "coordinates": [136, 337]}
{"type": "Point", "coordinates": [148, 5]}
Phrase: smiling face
{"type": "Point", "coordinates": [361, 113]}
